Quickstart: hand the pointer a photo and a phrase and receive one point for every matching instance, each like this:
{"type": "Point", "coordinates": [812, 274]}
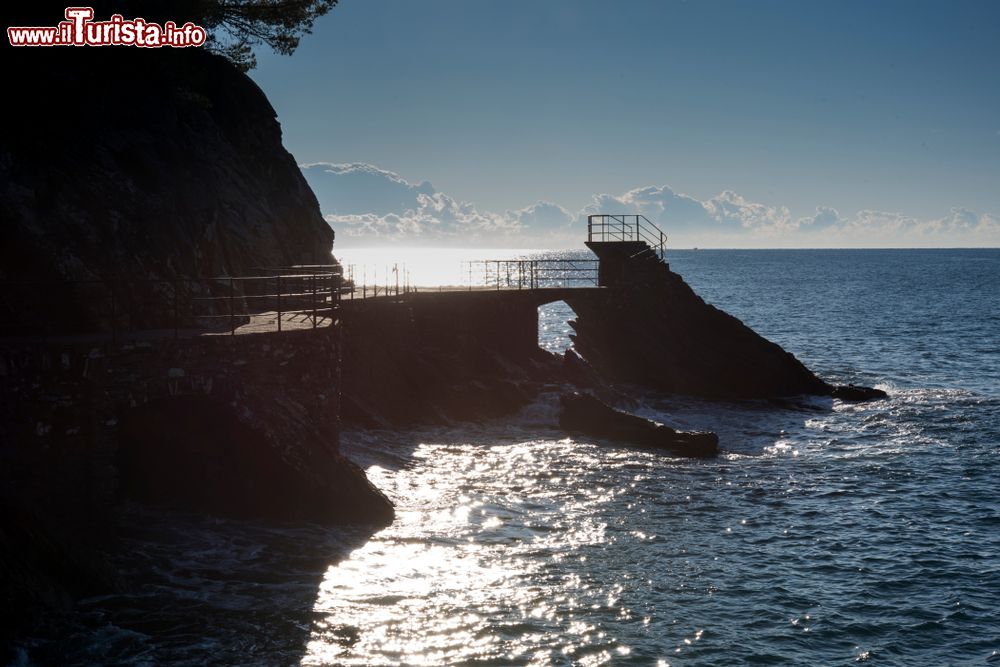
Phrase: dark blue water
{"type": "Point", "coordinates": [827, 534]}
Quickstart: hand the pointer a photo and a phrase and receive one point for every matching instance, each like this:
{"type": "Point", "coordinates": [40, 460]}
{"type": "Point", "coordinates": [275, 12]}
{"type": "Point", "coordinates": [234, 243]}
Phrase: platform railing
{"type": "Point", "coordinates": [621, 228]}
{"type": "Point", "coordinates": [214, 304]}
{"type": "Point", "coordinates": [362, 281]}
{"type": "Point", "coordinates": [532, 273]}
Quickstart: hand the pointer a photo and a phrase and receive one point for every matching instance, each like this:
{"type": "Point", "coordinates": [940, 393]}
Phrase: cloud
{"type": "Point", "coordinates": [362, 200]}
{"type": "Point", "coordinates": [358, 188]}
{"type": "Point", "coordinates": [660, 204]}
{"type": "Point", "coordinates": [959, 220]}
{"type": "Point", "coordinates": [543, 215]}
{"type": "Point", "coordinates": [368, 205]}
{"type": "Point", "coordinates": [729, 207]}
{"type": "Point", "coordinates": [731, 220]}
{"type": "Point", "coordinates": [872, 228]}
{"type": "Point", "coordinates": [824, 218]}
{"type": "Point", "coordinates": [725, 212]}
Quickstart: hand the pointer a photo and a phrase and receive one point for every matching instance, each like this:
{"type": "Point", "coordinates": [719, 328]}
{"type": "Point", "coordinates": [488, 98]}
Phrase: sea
{"type": "Point", "coordinates": [826, 533]}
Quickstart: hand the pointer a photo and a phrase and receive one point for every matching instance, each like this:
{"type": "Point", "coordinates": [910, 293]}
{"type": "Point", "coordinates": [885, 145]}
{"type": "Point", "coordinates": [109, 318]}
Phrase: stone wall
{"type": "Point", "coordinates": [437, 357]}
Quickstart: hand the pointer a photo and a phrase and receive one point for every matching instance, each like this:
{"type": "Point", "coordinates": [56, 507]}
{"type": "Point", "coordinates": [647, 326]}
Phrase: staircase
{"type": "Point", "coordinates": [629, 248]}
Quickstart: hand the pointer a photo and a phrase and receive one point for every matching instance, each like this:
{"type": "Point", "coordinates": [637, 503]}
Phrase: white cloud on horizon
{"type": "Point", "coordinates": [376, 206]}
{"type": "Point", "coordinates": [824, 218]}
{"type": "Point", "coordinates": [368, 205]}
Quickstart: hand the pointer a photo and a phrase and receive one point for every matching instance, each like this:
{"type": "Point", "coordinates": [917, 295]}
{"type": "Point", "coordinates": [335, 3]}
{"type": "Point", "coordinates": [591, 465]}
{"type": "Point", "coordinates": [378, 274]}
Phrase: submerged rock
{"type": "Point", "coordinates": [856, 393]}
{"type": "Point", "coordinates": [583, 413]}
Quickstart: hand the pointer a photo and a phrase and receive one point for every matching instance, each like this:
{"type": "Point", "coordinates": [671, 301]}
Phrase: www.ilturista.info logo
{"type": "Point", "coordinates": [79, 29]}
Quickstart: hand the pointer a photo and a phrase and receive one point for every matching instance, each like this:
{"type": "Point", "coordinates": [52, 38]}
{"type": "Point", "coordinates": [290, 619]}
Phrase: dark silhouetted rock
{"type": "Point", "coordinates": [650, 328]}
{"type": "Point", "coordinates": [140, 164]}
{"type": "Point", "coordinates": [194, 452]}
{"type": "Point", "coordinates": [855, 393]}
{"type": "Point", "coordinates": [582, 413]}
{"type": "Point", "coordinates": [437, 358]}
{"type": "Point", "coordinates": [149, 165]}
{"type": "Point", "coordinates": [579, 371]}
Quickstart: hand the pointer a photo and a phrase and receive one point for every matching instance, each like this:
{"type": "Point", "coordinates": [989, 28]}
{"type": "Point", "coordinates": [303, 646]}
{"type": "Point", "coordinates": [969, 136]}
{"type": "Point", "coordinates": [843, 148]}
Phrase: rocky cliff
{"type": "Point", "coordinates": [135, 165]}
{"type": "Point", "coordinates": [650, 328]}
{"type": "Point", "coordinates": [140, 164]}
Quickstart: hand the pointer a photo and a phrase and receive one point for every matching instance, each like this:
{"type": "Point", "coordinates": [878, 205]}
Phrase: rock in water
{"type": "Point", "coordinates": [855, 393]}
{"type": "Point", "coordinates": [582, 413]}
{"type": "Point", "coordinates": [195, 453]}
{"type": "Point", "coordinates": [648, 327]}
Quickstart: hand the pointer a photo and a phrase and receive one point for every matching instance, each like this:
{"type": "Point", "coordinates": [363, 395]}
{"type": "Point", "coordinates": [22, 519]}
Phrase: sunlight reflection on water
{"type": "Point", "coordinates": [803, 543]}
{"type": "Point", "coordinates": [826, 533]}
{"type": "Point", "coordinates": [471, 569]}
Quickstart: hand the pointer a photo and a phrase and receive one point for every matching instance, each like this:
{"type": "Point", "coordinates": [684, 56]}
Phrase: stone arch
{"type": "Point", "coordinates": [554, 326]}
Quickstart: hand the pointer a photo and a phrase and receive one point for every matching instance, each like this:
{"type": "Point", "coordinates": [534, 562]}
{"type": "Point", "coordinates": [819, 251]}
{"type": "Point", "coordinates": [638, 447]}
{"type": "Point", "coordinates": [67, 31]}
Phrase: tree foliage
{"type": "Point", "coordinates": [237, 26]}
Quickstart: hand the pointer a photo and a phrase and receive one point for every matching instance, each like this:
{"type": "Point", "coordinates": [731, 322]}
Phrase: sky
{"type": "Point", "coordinates": [842, 123]}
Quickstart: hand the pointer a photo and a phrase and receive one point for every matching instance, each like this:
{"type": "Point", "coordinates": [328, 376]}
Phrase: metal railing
{"type": "Point", "coordinates": [130, 305]}
{"type": "Point", "coordinates": [360, 284]}
{"type": "Point", "coordinates": [532, 273]}
{"type": "Point", "coordinates": [605, 228]}
{"type": "Point", "coordinates": [364, 281]}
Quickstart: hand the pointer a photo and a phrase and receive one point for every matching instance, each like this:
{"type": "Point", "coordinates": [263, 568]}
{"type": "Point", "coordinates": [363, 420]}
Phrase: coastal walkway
{"type": "Point", "coordinates": [304, 296]}
{"type": "Point", "coordinates": [540, 295]}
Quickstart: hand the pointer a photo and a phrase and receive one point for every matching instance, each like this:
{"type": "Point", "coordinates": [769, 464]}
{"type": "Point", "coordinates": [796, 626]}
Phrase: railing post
{"type": "Point", "coordinates": [314, 299]}
{"type": "Point", "coordinates": [279, 302]}
{"type": "Point", "coordinates": [232, 313]}
{"type": "Point", "coordinates": [334, 299]}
